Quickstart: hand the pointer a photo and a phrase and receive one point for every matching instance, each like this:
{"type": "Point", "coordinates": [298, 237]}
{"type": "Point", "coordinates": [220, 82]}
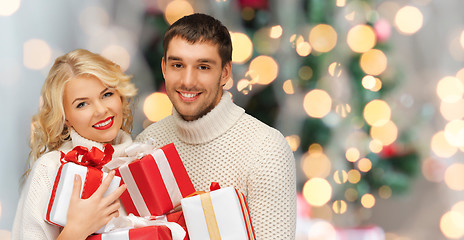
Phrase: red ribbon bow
{"type": "Point", "coordinates": [93, 158]}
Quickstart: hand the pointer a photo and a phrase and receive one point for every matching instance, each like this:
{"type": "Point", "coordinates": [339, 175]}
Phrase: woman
{"type": "Point", "coordinates": [85, 102]}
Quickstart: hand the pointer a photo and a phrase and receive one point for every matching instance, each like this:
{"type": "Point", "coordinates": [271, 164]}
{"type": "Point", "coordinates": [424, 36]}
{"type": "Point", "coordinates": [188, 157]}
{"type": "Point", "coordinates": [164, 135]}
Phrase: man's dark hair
{"type": "Point", "coordinates": [200, 27]}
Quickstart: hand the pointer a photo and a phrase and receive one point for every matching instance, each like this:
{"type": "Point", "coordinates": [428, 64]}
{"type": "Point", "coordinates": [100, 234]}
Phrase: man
{"type": "Point", "coordinates": [216, 140]}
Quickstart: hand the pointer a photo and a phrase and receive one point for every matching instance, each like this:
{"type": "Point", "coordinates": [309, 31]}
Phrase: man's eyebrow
{"type": "Point", "coordinates": [206, 60]}
{"type": "Point", "coordinates": [174, 58]}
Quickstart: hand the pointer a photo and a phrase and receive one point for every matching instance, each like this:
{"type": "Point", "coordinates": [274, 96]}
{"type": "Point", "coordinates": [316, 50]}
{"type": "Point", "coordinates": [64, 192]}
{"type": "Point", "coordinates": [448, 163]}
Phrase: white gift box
{"type": "Point", "coordinates": [221, 213]}
{"type": "Point", "coordinates": [57, 208]}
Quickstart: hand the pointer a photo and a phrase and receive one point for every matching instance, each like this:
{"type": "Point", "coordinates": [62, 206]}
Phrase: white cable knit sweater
{"type": "Point", "coordinates": [29, 222]}
{"type": "Point", "coordinates": [233, 148]}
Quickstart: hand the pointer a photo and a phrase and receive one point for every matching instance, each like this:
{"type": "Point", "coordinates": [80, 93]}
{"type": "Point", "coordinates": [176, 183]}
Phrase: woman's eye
{"type": "Point", "coordinates": [80, 105]}
{"type": "Point", "coordinates": [108, 94]}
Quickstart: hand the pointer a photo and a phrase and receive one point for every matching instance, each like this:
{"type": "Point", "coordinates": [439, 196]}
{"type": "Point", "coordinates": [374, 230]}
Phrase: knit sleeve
{"type": "Point", "coordinates": [272, 190]}
{"type": "Point", "coordinates": [29, 221]}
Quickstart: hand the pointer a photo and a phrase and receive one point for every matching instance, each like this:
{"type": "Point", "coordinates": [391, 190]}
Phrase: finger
{"type": "Point", "coordinates": [114, 207]}
{"type": "Point", "coordinates": [76, 192]}
{"type": "Point", "coordinates": [116, 193]}
{"type": "Point", "coordinates": [105, 184]}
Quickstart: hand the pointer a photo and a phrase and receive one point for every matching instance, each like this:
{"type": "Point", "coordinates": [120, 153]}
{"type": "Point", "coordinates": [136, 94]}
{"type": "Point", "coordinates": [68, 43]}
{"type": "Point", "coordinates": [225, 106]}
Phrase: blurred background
{"type": "Point", "coordinates": [368, 93]}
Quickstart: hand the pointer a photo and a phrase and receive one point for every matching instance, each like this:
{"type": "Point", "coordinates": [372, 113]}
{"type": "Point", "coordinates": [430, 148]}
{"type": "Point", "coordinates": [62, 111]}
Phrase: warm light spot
{"type": "Point", "coordinates": [451, 224]}
{"type": "Point", "coordinates": [385, 192]}
{"type": "Point", "coordinates": [341, 3]}
{"type": "Point", "coordinates": [315, 148]}
{"type": "Point", "coordinates": [433, 170]}
{"type": "Point", "coordinates": [454, 177]}
{"type": "Point", "coordinates": [409, 20]}
{"type": "Point", "coordinates": [352, 154]}
{"type": "Point", "coordinates": [296, 39]}
{"type": "Point", "coordinates": [339, 207]}
{"type": "Point", "coordinates": [335, 69]}
{"type": "Point", "coordinates": [317, 103]}
{"type": "Point", "coordinates": [368, 82]}
{"type": "Point", "coordinates": [375, 146]}
{"type": "Point", "coordinates": [450, 89]}
{"type": "Point", "coordinates": [377, 112]}
{"type": "Point", "coordinates": [229, 84]}
{"type": "Point", "coordinates": [243, 47]}
{"type": "Point", "coordinates": [458, 207]}
{"type": "Point", "coordinates": [323, 38]}
{"type": "Point", "coordinates": [460, 74]}
{"type": "Point", "coordinates": [368, 200]}
{"type": "Point", "coordinates": [364, 165]}
{"type": "Point", "coordinates": [293, 142]}
{"type": "Point", "coordinates": [248, 13]}
{"type": "Point", "coordinates": [441, 147]}
{"type": "Point", "coordinates": [118, 55]}
{"type": "Point", "coordinates": [377, 86]}
{"type": "Point", "coordinates": [176, 10]}
{"type": "Point", "coordinates": [9, 7]}
{"type": "Point", "coordinates": [303, 49]}
{"type": "Point", "coordinates": [317, 191]}
{"type": "Point", "coordinates": [288, 87]}
{"type": "Point", "coordinates": [354, 176]}
{"type": "Point", "coordinates": [276, 31]}
{"type": "Point", "coordinates": [386, 134]}
{"type": "Point", "coordinates": [36, 54]}
{"type": "Point", "coordinates": [266, 69]}
{"type": "Point", "coordinates": [351, 194]}
{"type": "Point", "coordinates": [316, 165]}
{"type": "Point", "coordinates": [321, 230]}
{"type": "Point", "coordinates": [244, 86]}
{"type": "Point", "coordinates": [454, 133]}
{"type": "Point", "coordinates": [305, 72]}
{"type": "Point", "coordinates": [361, 38]}
{"type": "Point", "coordinates": [340, 176]}
{"type": "Point", "coordinates": [461, 39]}
{"type": "Point", "coordinates": [343, 110]}
{"type": "Point", "coordinates": [373, 62]}
{"type": "Point", "coordinates": [157, 106]}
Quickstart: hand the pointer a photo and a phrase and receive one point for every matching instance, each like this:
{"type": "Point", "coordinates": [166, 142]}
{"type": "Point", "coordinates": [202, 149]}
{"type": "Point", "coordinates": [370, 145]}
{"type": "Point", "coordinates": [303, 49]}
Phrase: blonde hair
{"type": "Point", "coordinates": [49, 130]}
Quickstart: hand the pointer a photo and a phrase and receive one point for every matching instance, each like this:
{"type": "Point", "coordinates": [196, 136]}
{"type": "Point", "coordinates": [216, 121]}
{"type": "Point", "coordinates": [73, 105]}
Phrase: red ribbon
{"type": "Point", "coordinates": [93, 158]}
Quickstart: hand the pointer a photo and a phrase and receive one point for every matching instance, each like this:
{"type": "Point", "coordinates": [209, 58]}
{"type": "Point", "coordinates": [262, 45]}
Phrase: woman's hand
{"type": "Point", "coordinates": [86, 216]}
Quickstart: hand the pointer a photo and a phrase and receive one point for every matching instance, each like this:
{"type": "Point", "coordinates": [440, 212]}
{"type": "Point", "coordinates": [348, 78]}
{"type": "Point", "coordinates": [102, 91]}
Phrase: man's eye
{"type": "Point", "coordinates": [177, 65]}
{"type": "Point", "coordinates": [203, 67]}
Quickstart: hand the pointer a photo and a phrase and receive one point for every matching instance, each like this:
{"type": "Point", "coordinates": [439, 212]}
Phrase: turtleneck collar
{"type": "Point", "coordinates": [120, 143]}
{"type": "Point", "coordinates": [211, 125]}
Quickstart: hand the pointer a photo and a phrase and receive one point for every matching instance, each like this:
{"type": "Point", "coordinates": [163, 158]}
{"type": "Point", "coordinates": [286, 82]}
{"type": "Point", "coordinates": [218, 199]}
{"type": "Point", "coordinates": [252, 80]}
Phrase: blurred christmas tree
{"type": "Point", "coordinates": [339, 70]}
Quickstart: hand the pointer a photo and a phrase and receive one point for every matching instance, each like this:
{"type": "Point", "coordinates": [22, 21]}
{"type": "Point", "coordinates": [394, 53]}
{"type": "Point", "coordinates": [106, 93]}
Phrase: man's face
{"type": "Point", "coordinates": [194, 77]}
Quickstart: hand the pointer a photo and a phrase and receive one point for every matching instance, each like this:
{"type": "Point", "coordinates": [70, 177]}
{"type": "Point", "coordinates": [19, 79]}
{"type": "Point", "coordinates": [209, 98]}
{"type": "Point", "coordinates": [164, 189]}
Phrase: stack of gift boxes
{"type": "Point", "coordinates": [158, 187]}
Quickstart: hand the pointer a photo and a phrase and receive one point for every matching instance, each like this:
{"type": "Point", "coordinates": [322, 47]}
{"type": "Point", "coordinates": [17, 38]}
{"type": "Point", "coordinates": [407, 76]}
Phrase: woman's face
{"type": "Point", "coordinates": [92, 109]}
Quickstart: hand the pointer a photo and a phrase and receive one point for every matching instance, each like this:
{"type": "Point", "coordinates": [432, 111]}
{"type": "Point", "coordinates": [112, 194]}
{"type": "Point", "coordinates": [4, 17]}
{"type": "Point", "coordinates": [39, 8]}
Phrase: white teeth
{"type": "Point", "coordinates": [103, 123]}
{"type": "Point", "coordinates": [189, 95]}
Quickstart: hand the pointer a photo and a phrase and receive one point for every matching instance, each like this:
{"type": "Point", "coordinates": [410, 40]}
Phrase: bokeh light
{"type": "Point", "coordinates": [451, 224]}
{"type": "Point", "coordinates": [118, 55]}
{"type": "Point", "coordinates": [375, 146]}
{"type": "Point", "coordinates": [450, 89]}
{"type": "Point", "coordinates": [368, 200]}
{"type": "Point", "coordinates": [316, 164]}
{"type": "Point", "coordinates": [452, 111]}
{"type": "Point", "coordinates": [454, 177]}
{"type": "Point", "coordinates": [276, 32]}
{"type": "Point", "coordinates": [339, 206]}
{"type": "Point", "coordinates": [317, 103]}
{"type": "Point", "coordinates": [361, 38]}
{"type": "Point", "coordinates": [340, 176]}
{"type": "Point", "coordinates": [373, 62]}
{"type": "Point", "coordinates": [293, 141]}
{"type": "Point", "coordinates": [9, 7]}
{"type": "Point", "coordinates": [441, 147]}
{"type": "Point", "coordinates": [354, 176]}
{"type": "Point", "coordinates": [351, 194]}
{"type": "Point", "coordinates": [243, 47]}
{"type": "Point", "coordinates": [321, 230]}
{"type": "Point", "coordinates": [385, 192]}
{"type": "Point", "coordinates": [288, 87]}
{"type": "Point", "coordinates": [409, 20]}
{"type": "Point", "coordinates": [305, 72]}
{"type": "Point", "coordinates": [176, 10]}
{"type": "Point", "coordinates": [343, 109]}
{"type": "Point", "coordinates": [303, 49]}
{"type": "Point", "coordinates": [454, 133]}
{"type": "Point", "coordinates": [386, 134]}
{"type": "Point", "coordinates": [157, 106]}
{"type": "Point", "coordinates": [244, 86]}
{"type": "Point", "coordinates": [37, 54]}
{"type": "Point", "coordinates": [323, 38]}
{"type": "Point", "coordinates": [364, 165]}
{"type": "Point", "coordinates": [352, 154]}
{"type": "Point", "coordinates": [377, 112]}
{"type": "Point", "coordinates": [433, 170]}
{"type": "Point", "coordinates": [317, 191]}
{"type": "Point", "coordinates": [265, 68]}
{"type": "Point", "coordinates": [335, 69]}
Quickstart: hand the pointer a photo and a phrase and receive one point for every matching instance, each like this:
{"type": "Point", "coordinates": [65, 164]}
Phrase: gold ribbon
{"type": "Point", "coordinates": [211, 223]}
